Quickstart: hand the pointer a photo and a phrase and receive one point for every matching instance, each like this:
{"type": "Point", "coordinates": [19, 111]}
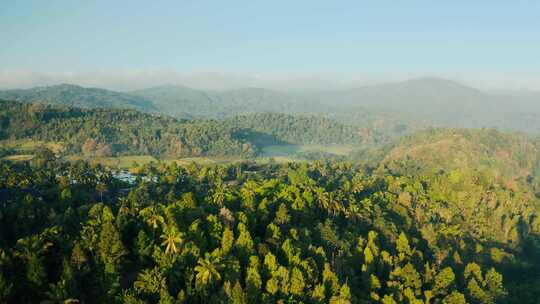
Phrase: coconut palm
{"type": "Point", "coordinates": [152, 216]}
{"type": "Point", "coordinates": [172, 240]}
{"type": "Point", "coordinates": [208, 271]}
{"type": "Point", "coordinates": [220, 195]}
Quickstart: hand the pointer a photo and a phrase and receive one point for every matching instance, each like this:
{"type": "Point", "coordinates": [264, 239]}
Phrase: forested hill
{"type": "Point", "coordinates": [77, 96]}
{"type": "Point", "coordinates": [506, 155]}
{"type": "Point", "coordinates": [106, 132]}
{"type": "Point", "coordinates": [299, 129]}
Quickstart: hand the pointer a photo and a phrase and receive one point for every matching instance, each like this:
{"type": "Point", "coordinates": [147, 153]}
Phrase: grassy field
{"type": "Point", "coordinates": [128, 162]}
{"type": "Point", "coordinates": [288, 150]}
{"type": "Point", "coordinates": [19, 157]}
{"type": "Point", "coordinates": [121, 162]}
{"type": "Point", "coordinates": [27, 146]}
{"type": "Point", "coordinates": [277, 159]}
{"type": "Point", "coordinates": [279, 153]}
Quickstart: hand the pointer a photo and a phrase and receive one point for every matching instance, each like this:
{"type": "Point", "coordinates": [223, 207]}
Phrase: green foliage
{"type": "Point", "coordinates": [106, 132]}
{"type": "Point", "coordinates": [291, 233]}
{"type": "Point", "coordinates": [72, 95]}
{"type": "Point", "coordinates": [102, 133]}
{"type": "Point", "coordinates": [274, 128]}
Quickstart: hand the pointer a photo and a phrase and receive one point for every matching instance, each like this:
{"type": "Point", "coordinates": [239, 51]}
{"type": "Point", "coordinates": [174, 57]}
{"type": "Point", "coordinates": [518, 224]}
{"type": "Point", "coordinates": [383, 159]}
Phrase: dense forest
{"type": "Point", "coordinates": [298, 129]}
{"type": "Point", "coordinates": [246, 233]}
{"type": "Point", "coordinates": [108, 132]}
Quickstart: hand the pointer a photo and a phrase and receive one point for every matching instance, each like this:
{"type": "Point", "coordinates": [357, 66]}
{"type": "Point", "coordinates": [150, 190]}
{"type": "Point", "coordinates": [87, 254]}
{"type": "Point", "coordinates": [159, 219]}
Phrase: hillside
{"type": "Point", "coordinates": [442, 102]}
{"type": "Point", "coordinates": [109, 132]}
{"type": "Point", "coordinates": [181, 100]}
{"type": "Point", "coordinates": [513, 155]}
{"type": "Point", "coordinates": [77, 96]}
{"type": "Point", "coordinates": [298, 129]}
{"type": "Point", "coordinates": [423, 101]}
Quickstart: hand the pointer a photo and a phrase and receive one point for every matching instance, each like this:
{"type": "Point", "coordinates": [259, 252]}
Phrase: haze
{"type": "Point", "coordinates": [128, 45]}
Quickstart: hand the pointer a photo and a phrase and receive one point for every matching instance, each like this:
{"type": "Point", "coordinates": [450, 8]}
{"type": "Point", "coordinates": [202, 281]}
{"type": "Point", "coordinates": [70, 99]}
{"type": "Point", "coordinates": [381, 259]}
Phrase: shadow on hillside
{"type": "Point", "coordinates": [259, 139]}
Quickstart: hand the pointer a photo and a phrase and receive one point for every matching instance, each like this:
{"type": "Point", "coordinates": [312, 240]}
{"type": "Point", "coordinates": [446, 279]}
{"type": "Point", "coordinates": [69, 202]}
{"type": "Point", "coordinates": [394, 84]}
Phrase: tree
{"type": "Point", "coordinates": [153, 217]}
{"type": "Point", "coordinates": [344, 296]}
{"type": "Point", "coordinates": [5, 288]}
{"type": "Point", "coordinates": [227, 240]}
{"type": "Point", "coordinates": [493, 282]}
{"type": "Point", "coordinates": [237, 295]}
{"type": "Point", "coordinates": [35, 271]}
{"type": "Point", "coordinates": [111, 249]}
{"type": "Point", "coordinates": [443, 280]}
{"type": "Point", "coordinates": [454, 298]}
{"type": "Point", "coordinates": [78, 256]}
{"type": "Point", "coordinates": [244, 242]}
{"type": "Point", "coordinates": [253, 278]}
{"type": "Point", "coordinates": [297, 282]}
{"type": "Point", "coordinates": [402, 245]}
{"type": "Point", "coordinates": [282, 215]}
{"type": "Point", "coordinates": [172, 240]}
{"type": "Point", "coordinates": [89, 147]}
{"type": "Point", "coordinates": [101, 188]}
{"type": "Point", "coordinates": [151, 281]}
{"type": "Point", "coordinates": [207, 270]}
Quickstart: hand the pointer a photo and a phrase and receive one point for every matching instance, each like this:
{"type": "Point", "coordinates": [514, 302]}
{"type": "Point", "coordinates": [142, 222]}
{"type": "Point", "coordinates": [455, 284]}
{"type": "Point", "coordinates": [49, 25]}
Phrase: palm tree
{"type": "Point", "coordinates": [172, 240]}
{"type": "Point", "coordinates": [248, 193]}
{"type": "Point", "coordinates": [152, 217]}
{"type": "Point", "coordinates": [208, 271]}
{"type": "Point", "coordinates": [220, 195]}
{"type": "Point", "coordinates": [101, 188]}
{"type": "Point", "coordinates": [323, 198]}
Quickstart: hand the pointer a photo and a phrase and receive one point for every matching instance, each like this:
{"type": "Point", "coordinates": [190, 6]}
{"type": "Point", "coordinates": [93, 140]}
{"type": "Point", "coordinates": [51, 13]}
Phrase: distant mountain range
{"type": "Point", "coordinates": [424, 101]}
{"type": "Point", "coordinates": [181, 100]}
{"type": "Point", "coordinates": [77, 96]}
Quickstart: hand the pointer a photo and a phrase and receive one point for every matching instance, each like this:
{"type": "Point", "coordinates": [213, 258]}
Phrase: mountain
{"type": "Point", "coordinates": [408, 104]}
{"type": "Point", "coordinates": [395, 108]}
{"type": "Point", "coordinates": [77, 96]}
{"type": "Point", "coordinates": [181, 101]}
{"type": "Point", "coordinates": [443, 103]}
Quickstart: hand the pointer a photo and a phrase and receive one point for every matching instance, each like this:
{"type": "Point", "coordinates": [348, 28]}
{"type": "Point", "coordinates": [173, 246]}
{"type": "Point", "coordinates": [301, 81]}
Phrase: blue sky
{"type": "Point", "coordinates": [483, 38]}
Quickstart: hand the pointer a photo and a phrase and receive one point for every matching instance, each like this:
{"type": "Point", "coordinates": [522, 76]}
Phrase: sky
{"type": "Point", "coordinates": [141, 43]}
